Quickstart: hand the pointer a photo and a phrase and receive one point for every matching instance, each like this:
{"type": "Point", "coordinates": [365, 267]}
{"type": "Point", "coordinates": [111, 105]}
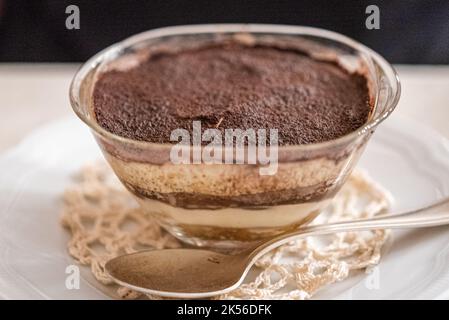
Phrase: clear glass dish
{"type": "Point", "coordinates": [232, 205]}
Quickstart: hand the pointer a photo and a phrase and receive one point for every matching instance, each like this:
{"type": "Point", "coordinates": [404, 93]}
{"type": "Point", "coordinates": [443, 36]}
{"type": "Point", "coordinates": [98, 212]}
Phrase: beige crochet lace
{"type": "Point", "coordinates": [104, 221]}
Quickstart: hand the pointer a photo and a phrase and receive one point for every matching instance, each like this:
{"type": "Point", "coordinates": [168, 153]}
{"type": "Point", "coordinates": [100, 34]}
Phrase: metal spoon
{"type": "Point", "coordinates": [197, 273]}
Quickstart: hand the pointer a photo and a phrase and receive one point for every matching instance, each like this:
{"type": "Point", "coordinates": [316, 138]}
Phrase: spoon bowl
{"type": "Point", "coordinates": [186, 273]}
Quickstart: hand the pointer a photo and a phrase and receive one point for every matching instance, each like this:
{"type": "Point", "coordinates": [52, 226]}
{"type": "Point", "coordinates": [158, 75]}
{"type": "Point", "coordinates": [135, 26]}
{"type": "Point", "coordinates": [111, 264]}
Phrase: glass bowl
{"type": "Point", "coordinates": [232, 205]}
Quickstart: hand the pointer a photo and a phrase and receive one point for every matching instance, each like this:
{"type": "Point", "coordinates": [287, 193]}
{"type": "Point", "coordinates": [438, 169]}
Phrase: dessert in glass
{"type": "Point", "coordinates": [322, 93]}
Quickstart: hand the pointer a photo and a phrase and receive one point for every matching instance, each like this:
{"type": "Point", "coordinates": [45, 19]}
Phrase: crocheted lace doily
{"type": "Point", "coordinates": [105, 221]}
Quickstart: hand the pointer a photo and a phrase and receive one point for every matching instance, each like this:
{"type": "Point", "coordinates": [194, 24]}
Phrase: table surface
{"type": "Point", "coordinates": [34, 94]}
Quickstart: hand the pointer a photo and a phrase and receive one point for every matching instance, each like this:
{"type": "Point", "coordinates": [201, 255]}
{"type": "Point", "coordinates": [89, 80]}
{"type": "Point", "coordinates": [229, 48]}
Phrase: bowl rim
{"type": "Point", "coordinates": [113, 51]}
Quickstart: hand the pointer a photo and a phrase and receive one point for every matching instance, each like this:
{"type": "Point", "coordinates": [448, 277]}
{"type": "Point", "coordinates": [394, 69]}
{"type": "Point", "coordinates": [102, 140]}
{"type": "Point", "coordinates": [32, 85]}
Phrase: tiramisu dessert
{"type": "Point", "coordinates": [231, 83]}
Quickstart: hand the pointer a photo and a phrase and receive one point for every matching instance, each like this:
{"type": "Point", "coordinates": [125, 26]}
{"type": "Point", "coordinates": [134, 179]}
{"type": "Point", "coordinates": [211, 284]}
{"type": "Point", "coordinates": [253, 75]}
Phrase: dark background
{"type": "Point", "coordinates": [411, 31]}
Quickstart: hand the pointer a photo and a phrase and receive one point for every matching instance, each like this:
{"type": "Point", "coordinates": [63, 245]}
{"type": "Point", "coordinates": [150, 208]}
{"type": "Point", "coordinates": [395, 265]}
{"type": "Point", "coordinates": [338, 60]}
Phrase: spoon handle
{"type": "Point", "coordinates": [434, 215]}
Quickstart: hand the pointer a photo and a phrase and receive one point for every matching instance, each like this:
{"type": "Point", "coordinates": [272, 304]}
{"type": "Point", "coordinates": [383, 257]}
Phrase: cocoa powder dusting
{"type": "Point", "coordinates": [232, 86]}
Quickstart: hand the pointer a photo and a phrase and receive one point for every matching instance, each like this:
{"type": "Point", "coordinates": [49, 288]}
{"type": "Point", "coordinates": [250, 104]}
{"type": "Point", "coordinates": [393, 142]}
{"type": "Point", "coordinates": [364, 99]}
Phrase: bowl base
{"type": "Point", "coordinates": [227, 239]}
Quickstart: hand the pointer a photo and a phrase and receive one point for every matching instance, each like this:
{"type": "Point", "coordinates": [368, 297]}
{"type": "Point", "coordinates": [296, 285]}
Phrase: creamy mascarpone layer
{"type": "Point", "coordinates": [241, 218]}
{"type": "Point", "coordinates": [226, 180]}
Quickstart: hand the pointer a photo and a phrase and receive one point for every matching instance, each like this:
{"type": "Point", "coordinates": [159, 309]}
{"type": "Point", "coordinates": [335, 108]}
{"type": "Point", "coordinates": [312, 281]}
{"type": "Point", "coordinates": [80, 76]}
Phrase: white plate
{"type": "Point", "coordinates": [410, 160]}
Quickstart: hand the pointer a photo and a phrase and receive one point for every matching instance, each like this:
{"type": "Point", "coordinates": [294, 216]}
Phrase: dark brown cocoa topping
{"type": "Point", "coordinates": [228, 86]}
